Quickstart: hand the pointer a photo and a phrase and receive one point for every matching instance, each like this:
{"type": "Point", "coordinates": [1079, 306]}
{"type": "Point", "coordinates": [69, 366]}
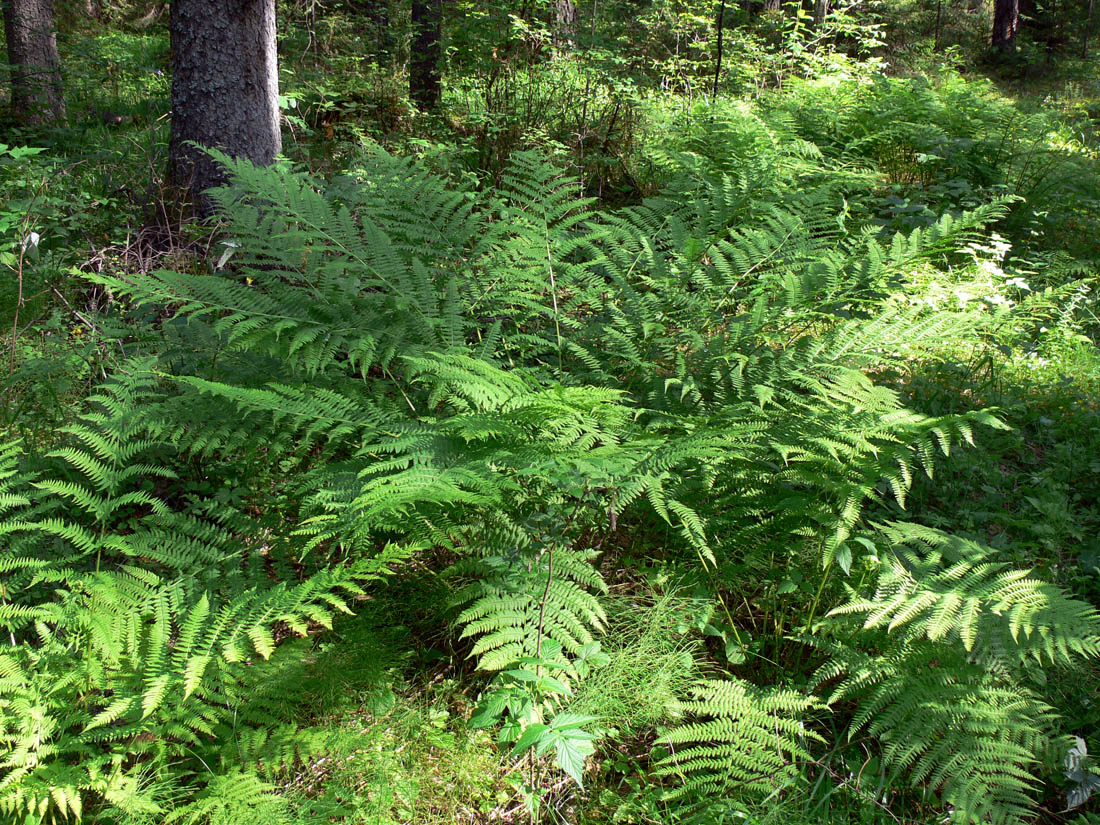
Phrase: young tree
{"type": "Point", "coordinates": [376, 13]}
{"type": "Point", "coordinates": [425, 74]}
{"type": "Point", "coordinates": [225, 88]}
{"type": "Point", "coordinates": [1006, 20]}
{"type": "Point", "coordinates": [36, 95]}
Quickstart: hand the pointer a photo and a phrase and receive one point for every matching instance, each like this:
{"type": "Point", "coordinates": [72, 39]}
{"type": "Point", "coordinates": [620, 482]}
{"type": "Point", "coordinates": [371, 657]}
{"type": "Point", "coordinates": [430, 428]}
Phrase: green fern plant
{"type": "Point", "coordinates": [135, 630]}
{"type": "Point", "coordinates": [741, 740]}
{"type": "Point", "coordinates": [509, 379]}
{"type": "Point", "coordinates": [948, 692]}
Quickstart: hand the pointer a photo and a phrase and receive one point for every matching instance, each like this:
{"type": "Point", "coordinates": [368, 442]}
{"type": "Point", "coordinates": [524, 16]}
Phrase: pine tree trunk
{"type": "Point", "coordinates": [565, 24]}
{"type": "Point", "coordinates": [225, 88]}
{"type": "Point", "coordinates": [1006, 20]}
{"type": "Point", "coordinates": [425, 74]}
{"type": "Point", "coordinates": [36, 92]}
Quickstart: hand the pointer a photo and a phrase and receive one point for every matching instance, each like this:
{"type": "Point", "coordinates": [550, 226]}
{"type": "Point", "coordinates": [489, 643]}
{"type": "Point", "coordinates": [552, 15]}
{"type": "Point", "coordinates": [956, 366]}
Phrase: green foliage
{"type": "Point", "coordinates": [138, 632]}
{"type": "Point", "coordinates": [530, 409]}
{"type": "Point", "coordinates": [944, 143]}
{"type": "Point", "coordinates": [547, 372]}
{"type": "Point", "coordinates": [647, 663]}
{"type": "Point", "coordinates": [948, 589]}
{"type": "Point", "coordinates": [950, 691]}
{"type": "Point", "coordinates": [749, 743]}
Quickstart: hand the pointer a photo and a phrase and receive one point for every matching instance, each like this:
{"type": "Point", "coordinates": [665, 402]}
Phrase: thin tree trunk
{"type": "Point", "coordinates": [1088, 27]}
{"type": "Point", "coordinates": [36, 91]}
{"type": "Point", "coordinates": [821, 11]}
{"type": "Point", "coordinates": [718, 57]}
{"type": "Point", "coordinates": [1006, 20]}
{"type": "Point", "coordinates": [225, 89]}
{"type": "Point", "coordinates": [425, 73]}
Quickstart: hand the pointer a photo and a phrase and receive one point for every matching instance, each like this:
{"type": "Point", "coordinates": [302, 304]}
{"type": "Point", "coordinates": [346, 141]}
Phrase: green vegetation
{"type": "Point", "coordinates": [632, 439]}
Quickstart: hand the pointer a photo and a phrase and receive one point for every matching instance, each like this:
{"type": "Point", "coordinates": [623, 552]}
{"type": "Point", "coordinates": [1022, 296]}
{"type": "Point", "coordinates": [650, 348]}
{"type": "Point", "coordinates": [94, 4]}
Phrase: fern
{"type": "Point", "coordinates": [745, 740]}
{"type": "Point", "coordinates": [505, 378]}
{"type": "Point", "coordinates": [231, 798]}
{"type": "Point", "coordinates": [946, 588]}
{"type": "Point", "coordinates": [512, 620]}
{"type": "Point", "coordinates": [949, 724]}
{"type": "Point", "coordinates": [949, 695]}
{"type": "Point", "coordinates": [133, 627]}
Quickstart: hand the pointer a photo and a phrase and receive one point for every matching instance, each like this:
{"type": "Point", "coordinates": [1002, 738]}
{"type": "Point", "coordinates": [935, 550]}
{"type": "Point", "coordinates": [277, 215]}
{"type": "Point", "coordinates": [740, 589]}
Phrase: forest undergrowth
{"type": "Point", "coordinates": [736, 462]}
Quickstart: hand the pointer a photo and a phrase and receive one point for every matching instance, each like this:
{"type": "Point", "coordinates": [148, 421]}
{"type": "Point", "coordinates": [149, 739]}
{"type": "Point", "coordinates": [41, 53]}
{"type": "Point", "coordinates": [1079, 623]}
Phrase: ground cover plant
{"type": "Point", "coordinates": [633, 437]}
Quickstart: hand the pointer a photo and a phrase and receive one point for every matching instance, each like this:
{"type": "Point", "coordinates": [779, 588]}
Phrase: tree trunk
{"type": "Point", "coordinates": [772, 5]}
{"type": "Point", "coordinates": [565, 24]}
{"type": "Point", "coordinates": [36, 94]}
{"type": "Point", "coordinates": [225, 89]}
{"type": "Point", "coordinates": [1088, 27]}
{"type": "Point", "coordinates": [718, 51]}
{"type": "Point", "coordinates": [1006, 20]}
{"type": "Point", "coordinates": [425, 74]}
{"type": "Point", "coordinates": [821, 11]}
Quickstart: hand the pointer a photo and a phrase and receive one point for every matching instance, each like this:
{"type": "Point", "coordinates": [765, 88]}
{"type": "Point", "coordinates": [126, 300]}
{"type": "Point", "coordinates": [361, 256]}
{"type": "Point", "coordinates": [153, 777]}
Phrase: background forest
{"type": "Point", "coordinates": [621, 411]}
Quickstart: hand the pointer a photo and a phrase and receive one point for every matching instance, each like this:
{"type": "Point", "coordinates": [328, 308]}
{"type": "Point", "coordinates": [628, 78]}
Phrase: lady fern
{"type": "Point", "coordinates": [133, 627]}
{"type": "Point", "coordinates": [507, 379]}
{"type": "Point", "coordinates": [948, 690]}
{"type": "Point", "coordinates": [743, 739]}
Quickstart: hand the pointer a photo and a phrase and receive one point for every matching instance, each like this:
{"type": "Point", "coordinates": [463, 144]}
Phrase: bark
{"type": "Point", "coordinates": [565, 24]}
{"type": "Point", "coordinates": [36, 92]}
{"type": "Point", "coordinates": [425, 74]}
{"type": "Point", "coordinates": [1006, 20]}
{"type": "Point", "coordinates": [772, 5]}
{"type": "Point", "coordinates": [821, 11]}
{"type": "Point", "coordinates": [1088, 27]}
{"type": "Point", "coordinates": [225, 89]}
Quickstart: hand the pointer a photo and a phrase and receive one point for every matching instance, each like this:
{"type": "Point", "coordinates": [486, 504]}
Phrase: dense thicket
{"type": "Point", "coordinates": [572, 428]}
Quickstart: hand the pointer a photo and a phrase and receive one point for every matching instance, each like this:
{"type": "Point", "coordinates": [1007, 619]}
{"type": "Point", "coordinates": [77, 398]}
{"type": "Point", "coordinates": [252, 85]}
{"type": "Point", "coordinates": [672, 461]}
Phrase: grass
{"type": "Point", "coordinates": [651, 662]}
